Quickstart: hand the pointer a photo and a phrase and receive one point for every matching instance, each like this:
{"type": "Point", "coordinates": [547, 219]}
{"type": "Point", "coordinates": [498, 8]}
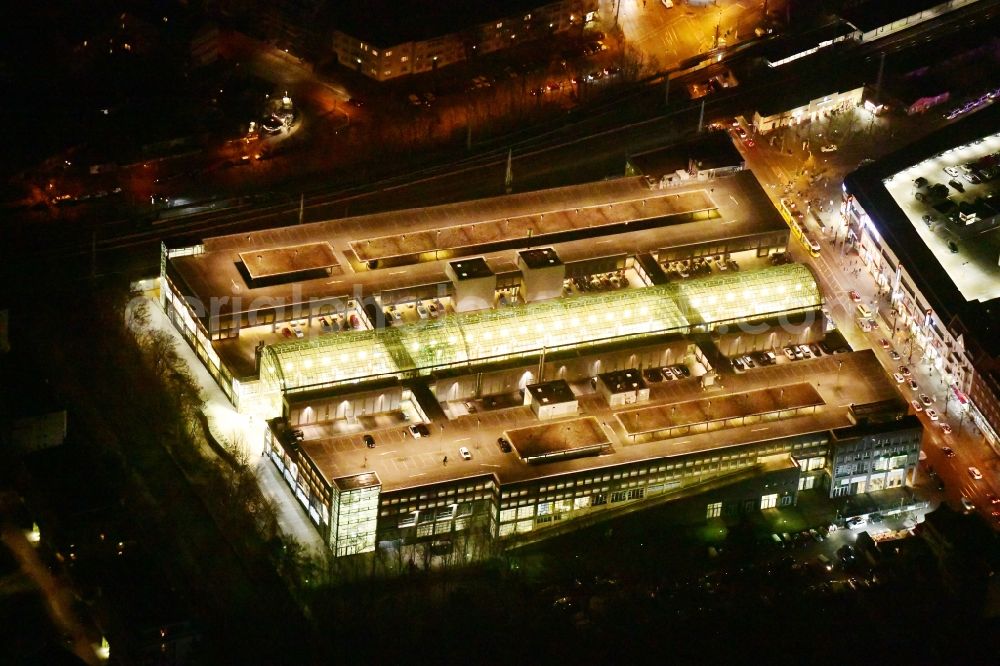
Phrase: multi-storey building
{"type": "Point", "coordinates": [933, 254]}
{"type": "Point", "coordinates": [396, 44]}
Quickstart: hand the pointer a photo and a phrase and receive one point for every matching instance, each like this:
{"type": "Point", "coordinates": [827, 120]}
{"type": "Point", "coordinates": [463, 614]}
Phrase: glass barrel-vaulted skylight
{"type": "Point", "coordinates": [469, 339]}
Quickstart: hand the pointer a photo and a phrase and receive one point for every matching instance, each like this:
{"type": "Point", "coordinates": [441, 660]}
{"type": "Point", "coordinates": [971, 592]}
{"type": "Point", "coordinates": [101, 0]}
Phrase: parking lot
{"type": "Point", "coordinates": [941, 196]}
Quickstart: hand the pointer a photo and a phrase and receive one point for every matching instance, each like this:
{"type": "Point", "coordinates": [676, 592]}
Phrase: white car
{"type": "Point", "coordinates": [829, 148]}
{"type": "Point", "coordinates": [464, 452]}
{"type": "Point", "coordinates": [926, 399]}
{"type": "Point", "coordinates": [898, 377]}
{"type": "Point", "coordinates": [805, 351]}
{"type": "Point", "coordinates": [952, 171]}
{"type": "Point", "coordinates": [917, 407]}
{"type": "Point", "coordinates": [789, 353]}
{"type": "Point", "coordinates": [975, 473]}
{"type": "Point", "coordinates": [932, 414]}
{"type": "Point", "coordinates": [422, 311]}
{"type": "Point", "coordinates": [945, 428]}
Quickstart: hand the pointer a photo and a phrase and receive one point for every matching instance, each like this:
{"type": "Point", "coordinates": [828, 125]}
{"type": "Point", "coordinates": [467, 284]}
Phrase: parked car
{"type": "Point", "coordinates": [957, 185]}
{"type": "Point", "coordinates": [945, 428]}
{"type": "Point", "coordinates": [652, 375]}
{"type": "Point", "coordinates": [806, 353]}
{"type": "Point", "coordinates": [912, 383]}
{"type": "Point", "coordinates": [504, 445]}
{"type": "Point", "coordinates": [933, 415]}
{"type": "Point", "coordinates": [855, 296]}
{"type": "Point", "coordinates": [924, 398]}
{"type": "Point", "coordinates": [948, 453]}
{"type": "Point", "coordinates": [369, 441]}
{"type": "Point", "coordinates": [464, 452]}
{"type": "Point", "coordinates": [894, 355]}
{"type": "Point", "coordinates": [898, 377]}
{"type": "Point", "coordinates": [414, 430]}
{"type": "Point", "coordinates": [952, 171]}
{"type": "Point", "coordinates": [975, 473]}
{"type": "Point", "coordinates": [905, 371]}
{"type": "Point", "coordinates": [829, 148]}
{"type": "Point", "coordinates": [422, 311]}
{"type": "Point", "coordinates": [917, 407]}
{"type": "Point", "coordinates": [789, 353]}
{"type": "Point", "coordinates": [857, 522]}
{"type": "Point", "coordinates": [738, 365]}
{"type": "Point", "coordinates": [884, 343]}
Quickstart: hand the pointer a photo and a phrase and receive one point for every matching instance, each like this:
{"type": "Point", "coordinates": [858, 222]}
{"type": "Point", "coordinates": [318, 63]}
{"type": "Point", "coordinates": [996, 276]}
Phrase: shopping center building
{"type": "Point", "coordinates": [502, 367]}
{"type": "Point", "coordinates": [923, 222]}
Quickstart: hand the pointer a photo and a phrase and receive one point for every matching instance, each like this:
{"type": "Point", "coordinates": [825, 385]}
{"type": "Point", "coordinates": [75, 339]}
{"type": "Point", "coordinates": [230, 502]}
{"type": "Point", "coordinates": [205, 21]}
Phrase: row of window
{"type": "Point", "coordinates": [444, 492]}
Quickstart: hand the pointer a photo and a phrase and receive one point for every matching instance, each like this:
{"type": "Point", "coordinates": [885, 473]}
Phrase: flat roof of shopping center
{"type": "Point", "coordinates": [680, 417]}
{"type": "Point", "coordinates": [402, 462]}
{"type": "Point", "coordinates": [289, 260]}
{"type": "Point", "coordinates": [743, 208]}
{"type": "Point", "coordinates": [548, 441]}
{"type": "Point", "coordinates": [965, 284]}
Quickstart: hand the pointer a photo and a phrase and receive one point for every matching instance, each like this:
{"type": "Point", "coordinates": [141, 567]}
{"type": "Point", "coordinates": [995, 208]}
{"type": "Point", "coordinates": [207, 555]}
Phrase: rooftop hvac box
{"type": "Point", "coordinates": [475, 284]}
{"type": "Point", "coordinates": [542, 274]}
{"type": "Point", "coordinates": [551, 400]}
{"type": "Point", "coordinates": [622, 387]}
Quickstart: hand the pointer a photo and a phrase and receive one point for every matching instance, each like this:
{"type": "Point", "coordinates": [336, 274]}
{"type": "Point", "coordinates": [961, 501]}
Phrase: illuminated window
{"type": "Point", "coordinates": [714, 510]}
{"type": "Point", "coordinates": [388, 54]}
{"type": "Point", "coordinates": [404, 58]}
{"type": "Point", "coordinates": [769, 501]}
{"type": "Point", "coordinates": [374, 53]}
{"type": "Point", "coordinates": [499, 24]}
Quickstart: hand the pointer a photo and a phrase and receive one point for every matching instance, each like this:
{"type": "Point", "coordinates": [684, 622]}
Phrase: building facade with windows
{"type": "Point", "coordinates": [942, 302]}
{"type": "Point", "coordinates": [398, 44]}
{"type": "Point", "coordinates": [868, 456]}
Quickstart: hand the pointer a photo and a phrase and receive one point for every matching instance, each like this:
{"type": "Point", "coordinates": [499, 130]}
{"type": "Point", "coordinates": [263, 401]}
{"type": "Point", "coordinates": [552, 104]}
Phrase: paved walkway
{"type": "Point", "coordinates": [226, 424]}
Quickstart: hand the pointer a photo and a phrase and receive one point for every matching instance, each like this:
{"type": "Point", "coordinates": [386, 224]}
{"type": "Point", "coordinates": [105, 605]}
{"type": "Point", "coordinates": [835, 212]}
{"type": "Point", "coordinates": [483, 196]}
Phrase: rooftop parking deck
{"type": "Point", "coordinates": [970, 263]}
{"type": "Point", "coordinates": [402, 461]}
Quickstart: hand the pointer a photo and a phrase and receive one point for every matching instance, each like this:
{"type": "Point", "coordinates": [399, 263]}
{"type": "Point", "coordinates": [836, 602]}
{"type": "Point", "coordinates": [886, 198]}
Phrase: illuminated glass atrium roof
{"type": "Point", "coordinates": [476, 338]}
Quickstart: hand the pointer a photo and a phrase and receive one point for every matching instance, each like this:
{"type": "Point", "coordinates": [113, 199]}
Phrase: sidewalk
{"type": "Point", "coordinates": [228, 425]}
